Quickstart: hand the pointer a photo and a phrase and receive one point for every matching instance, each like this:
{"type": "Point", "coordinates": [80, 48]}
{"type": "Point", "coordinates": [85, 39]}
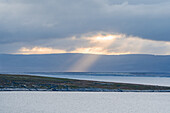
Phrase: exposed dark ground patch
{"type": "Point", "coordinates": [61, 84]}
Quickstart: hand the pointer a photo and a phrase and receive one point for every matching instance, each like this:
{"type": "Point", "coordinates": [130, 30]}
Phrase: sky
{"type": "Point", "coordinates": [109, 27]}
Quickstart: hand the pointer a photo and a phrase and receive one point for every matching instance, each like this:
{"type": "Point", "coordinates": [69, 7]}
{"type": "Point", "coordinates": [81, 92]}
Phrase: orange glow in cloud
{"type": "Point", "coordinates": [39, 50]}
{"type": "Point", "coordinates": [104, 41]}
{"type": "Point", "coordinates": [89, 50]}
{"type": "Point", "coordinates": [97, 50]}
{"type": "Point", "coordinates": [105, 38]}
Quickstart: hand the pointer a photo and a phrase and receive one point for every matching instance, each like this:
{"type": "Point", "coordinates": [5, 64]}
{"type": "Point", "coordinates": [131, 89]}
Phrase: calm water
{"type": "Point", "coordinates": [119, 74]}
{"type": "Point", "coordinates": [84, 102]}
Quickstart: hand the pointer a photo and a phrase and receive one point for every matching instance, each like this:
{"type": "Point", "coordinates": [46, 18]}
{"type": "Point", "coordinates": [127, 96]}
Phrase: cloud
{"type": "Point", "coordinates": [112, 44]}
{"type": "Point", "coordinates": [107, 44]}
{"type": "Point", "coordinates": [26, 21]}
{"type": "Point", "coordinates": [39, 50]}
{"type": "Point", "coordinates": [36, 23]}
{"type": "Point", "coordinates": [90, 50]}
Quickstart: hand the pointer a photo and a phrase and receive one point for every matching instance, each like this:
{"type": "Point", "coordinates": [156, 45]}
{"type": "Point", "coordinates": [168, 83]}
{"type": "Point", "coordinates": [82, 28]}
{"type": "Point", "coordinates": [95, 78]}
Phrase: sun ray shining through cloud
{"type": "Point", "coordinates": [84, 63]}
{"type": "Point", "coordinates": [103, 44]}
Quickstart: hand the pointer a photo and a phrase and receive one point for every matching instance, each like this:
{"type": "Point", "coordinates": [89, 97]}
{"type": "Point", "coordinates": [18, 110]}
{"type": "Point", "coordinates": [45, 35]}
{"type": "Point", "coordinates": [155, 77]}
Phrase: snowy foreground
{"type": "Point", "coordinates": [86, 102]}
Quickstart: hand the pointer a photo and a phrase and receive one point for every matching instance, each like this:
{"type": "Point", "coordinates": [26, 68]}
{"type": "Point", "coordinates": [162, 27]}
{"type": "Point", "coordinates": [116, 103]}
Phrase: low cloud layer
{"type": "Point", "coordinates": [108, 44]}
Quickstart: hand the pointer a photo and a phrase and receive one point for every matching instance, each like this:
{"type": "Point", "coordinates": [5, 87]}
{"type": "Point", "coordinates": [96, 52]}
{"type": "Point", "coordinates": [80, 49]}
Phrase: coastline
{"type": "Point", "coordinates": [10, 82]}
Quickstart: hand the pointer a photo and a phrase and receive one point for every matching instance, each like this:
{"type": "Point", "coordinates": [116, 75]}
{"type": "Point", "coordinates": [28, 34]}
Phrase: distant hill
{"type": "Point", "coordinates": [84, 62]}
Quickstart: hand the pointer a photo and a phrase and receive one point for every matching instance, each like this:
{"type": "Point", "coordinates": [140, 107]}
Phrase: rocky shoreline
{"type": "Point", "coordinates": [82, 90]}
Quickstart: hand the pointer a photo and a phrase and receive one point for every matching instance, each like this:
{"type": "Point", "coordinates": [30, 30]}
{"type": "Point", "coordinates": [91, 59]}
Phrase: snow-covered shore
{"type": "Point", "coordinates": [84, 102]}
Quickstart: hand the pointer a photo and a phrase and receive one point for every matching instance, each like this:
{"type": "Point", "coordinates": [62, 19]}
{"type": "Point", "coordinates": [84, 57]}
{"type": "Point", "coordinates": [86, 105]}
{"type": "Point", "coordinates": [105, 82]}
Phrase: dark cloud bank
{"type": "Point", "coordinates": [30, 22]}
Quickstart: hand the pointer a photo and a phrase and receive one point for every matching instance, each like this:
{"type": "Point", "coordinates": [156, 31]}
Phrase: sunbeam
{"type": "Point", "coordinates": [83, 64]}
